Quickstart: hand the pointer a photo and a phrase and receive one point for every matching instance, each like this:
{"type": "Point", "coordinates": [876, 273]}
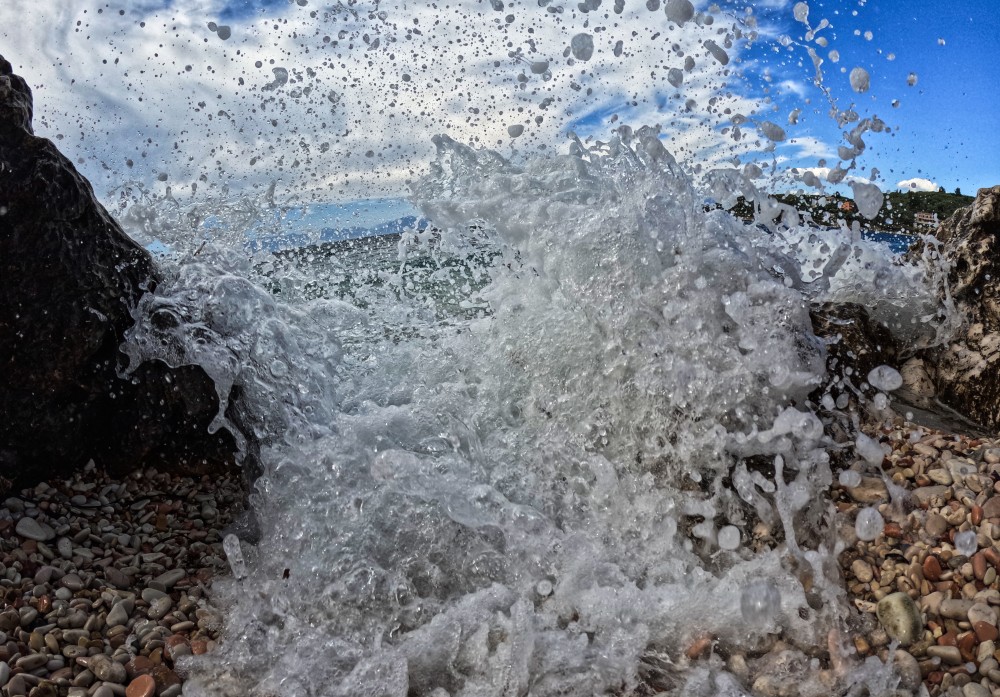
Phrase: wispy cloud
{"type": "Point", "coordinates": [341, 101]}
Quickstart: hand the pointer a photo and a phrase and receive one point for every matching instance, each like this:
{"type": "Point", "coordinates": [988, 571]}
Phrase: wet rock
{"type": "Point", "coordinates": [853, 340]}
{"type": "Point", "coordinates": [966, 373]}
{"type": "Point", "coordinates": [33, 530]}
{"type": "Point", "coordinates": [900, 618]}
{"type": "Point", "coordinates": [70, 280]}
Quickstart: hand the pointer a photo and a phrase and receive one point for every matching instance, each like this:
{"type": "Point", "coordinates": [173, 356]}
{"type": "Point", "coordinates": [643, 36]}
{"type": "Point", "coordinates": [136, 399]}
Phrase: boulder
{"type": "Point", "coordinates": [70, 280]}
{"type": "Point", "coordinates": [855, 344]}
{"type": "Point", "coordinates": [966, 373]}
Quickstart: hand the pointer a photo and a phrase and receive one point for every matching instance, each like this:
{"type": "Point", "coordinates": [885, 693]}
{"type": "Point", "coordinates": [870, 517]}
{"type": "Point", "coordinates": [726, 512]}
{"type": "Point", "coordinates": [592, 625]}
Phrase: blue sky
{"type": "Point", "coordinates": [946, 127]}
{"type": "Point", "coordinates": [153, 95]}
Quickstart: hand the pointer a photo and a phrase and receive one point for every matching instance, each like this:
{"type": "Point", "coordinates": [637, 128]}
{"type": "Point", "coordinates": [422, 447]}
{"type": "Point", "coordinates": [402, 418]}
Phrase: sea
{"type": "Point", "coordinates": [545, 420]}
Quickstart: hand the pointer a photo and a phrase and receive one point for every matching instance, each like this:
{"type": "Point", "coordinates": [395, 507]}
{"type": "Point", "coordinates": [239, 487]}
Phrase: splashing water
{"type": "Point", "coordinates": [555, 438]}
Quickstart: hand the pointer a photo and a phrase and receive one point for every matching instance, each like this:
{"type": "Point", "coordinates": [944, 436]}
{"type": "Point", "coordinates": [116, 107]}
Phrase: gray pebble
{"type": "Point", "coordinates": [4, 672]}
{"type": "Point", "coordinates": [170, 578]}
{"type": "Point", "coordinates": [106, 669]}
{"type": "Point", "coordinates": [151, 594]}
{"type": "Point", "coordinates": [72, 581]}
{"type": "Point", "coordinates": [33, 530]}
{"type": "Point", "coordinates": [159, 607]}
{"type": "Point", "coordinates": [16, 687]}
{"type": "Point", "coordinates": [974, 689]}
{"type": "Point", "coordinates": [117, 616]}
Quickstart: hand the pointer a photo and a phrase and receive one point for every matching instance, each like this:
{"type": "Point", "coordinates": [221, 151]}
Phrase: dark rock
{"type": "Point", "coordinates": [855, 343]}
{"type": "Point", "coordinates": [70, 280]}
{"type": "Point", "coordinates": [966, 373]}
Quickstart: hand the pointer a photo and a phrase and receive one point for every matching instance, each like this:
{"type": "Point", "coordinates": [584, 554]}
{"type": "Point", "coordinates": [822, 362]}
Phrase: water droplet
{"type": "Point", "coordinates": [965, 543]}
{"type": "Point", "coordinates": [850, 479]}
{"type": "Point", "coordinates": [869, 524]}
{"type": "Point", "coordinates": [729, 537]}
{"type": "Point", "coordinates": [760, 603]}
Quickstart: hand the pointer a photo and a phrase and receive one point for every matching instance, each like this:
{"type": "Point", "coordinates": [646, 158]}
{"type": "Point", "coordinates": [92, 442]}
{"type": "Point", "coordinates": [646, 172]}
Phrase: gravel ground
{"type": "Point", "coordinates": [929, 578]}
{"type": "Point", "coordinates": [104, 582]}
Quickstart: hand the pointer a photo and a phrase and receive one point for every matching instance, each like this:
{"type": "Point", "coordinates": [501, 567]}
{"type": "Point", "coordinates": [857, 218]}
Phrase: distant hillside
{"type": "Point", "coordinates": [898, 213]}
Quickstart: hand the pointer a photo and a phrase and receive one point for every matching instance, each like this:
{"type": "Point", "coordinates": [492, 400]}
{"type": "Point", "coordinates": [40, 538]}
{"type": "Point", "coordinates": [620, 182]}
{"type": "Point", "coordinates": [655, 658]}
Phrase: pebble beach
{"type": "Point", "coordinates": [105, 582]}
{"type": "Point", "coordinates": [929, 579]}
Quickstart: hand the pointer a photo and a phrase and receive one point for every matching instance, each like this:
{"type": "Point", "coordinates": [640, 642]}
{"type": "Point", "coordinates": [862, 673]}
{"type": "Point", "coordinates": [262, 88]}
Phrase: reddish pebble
{"type": "Point", "coordinates": [948, 639]}
{"type": "Point", "coordinates": [142, 686]}
{"type": "Point", "coordinates": [139, 665]}
{"type": "Point", "coordinates": [985, 631]}
{"type": "Point", "coordinates": [892, 530]}
{"type": "Point", "coordinates": [976, 514]}
{"type": "Point", "coordinates": [967, 645]}
{"type": "Point", "coordinates": [699, 647]}
{"type": "Point", "coordinates": [932, 568]}
{"type": "Point", "coordinates": [979, 565]}
{"type": "Point", "coordinates": [199, 646]}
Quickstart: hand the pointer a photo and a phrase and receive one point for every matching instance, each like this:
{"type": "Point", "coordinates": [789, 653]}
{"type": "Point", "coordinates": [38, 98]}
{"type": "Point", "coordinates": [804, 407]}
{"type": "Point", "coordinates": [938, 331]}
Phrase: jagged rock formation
{"type": "Point", "coordinates": [966, 373]}
{"type": "Point", "coordinates": [855, 343]}
{"type": "Point", "coordinates": [70, 279]}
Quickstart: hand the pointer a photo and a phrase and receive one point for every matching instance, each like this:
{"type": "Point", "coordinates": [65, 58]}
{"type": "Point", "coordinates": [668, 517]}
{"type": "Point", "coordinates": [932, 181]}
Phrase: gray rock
{"type": "Point", "coordinates": [900, 618]}
{"type": "Point", "coordinates": [117, 616]}
{"type": "Point", "coordinates": [160, 607]}
{"type": "Point", "coordinates": [909, 670]}
{"type": "Point", "coordinates": [106, 669]}
{"type": "Point", "coordinates": [170, 578]}
{"type": "Point", "coordinates": [948, 654]}
{"type": "Point", "coordinates": [925, 494]}
{"type": "Point", "coordinates": [33, 530]}
{"type": "Point", "coordinates": [956, 609]}
{"type": "Point", "coordinates": [116, 578]}
{"type": "Point", "coordinates": [974, 689]}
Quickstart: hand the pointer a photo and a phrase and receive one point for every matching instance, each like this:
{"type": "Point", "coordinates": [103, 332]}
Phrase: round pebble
{"type": "Point", "coordinates": [142, 686]}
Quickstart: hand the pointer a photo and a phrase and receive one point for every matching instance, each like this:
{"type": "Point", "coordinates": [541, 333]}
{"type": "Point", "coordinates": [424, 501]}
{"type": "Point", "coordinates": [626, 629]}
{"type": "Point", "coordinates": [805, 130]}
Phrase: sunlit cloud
{"type": "Point", "coordinates": [917, 184]}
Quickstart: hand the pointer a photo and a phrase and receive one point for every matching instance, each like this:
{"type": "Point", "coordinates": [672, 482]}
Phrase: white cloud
{"type": "Point", "coordinates": [917, 184]}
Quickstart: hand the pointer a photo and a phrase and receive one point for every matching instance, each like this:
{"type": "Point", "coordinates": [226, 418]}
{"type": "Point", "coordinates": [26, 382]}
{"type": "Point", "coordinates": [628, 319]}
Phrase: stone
{"type": "Point", "coordinates": [106, 669]}
{"type": "Point", "coordinates": [966, 372]}
{"type": "Point", "coordinates": [991, 509]}
{"type": "Point", "coordinates": [142, 686]}
{"type": "Point", "coordinates": [985, 631]}
{"type": "Point", "coordinates": [936, 525]}
{"type": "Point", "coordinates": [956, 609]}
{"type": "Point", "coordinates": [170, 578]}
{"type": "Point", "coordinates": [931, 568]}
{"type": "Point", "coordinates": [980, 612]}
{"type": "Point", "coordinates": [909, 670]}
{"type": "Point", "coordinates": [33, 530]}
{"type": "Point", "coordinates": [71, 282]}
{"type": "Point", "coordinates": [926, 494]}
{"type": "Point", "coordinates": [871, 490]}
{"type": "Point", "coordinates": [948, 654]}
{"type": "Point", "coordinates": [159, 607]}
{"type": "Point", "coordinates": [853, 340]}
{"type": "Point", "coordinates": [118, 615]}
{"type": "Point", "coordinates": [900, 618]}
{"type": "Point", "coordinates": [974, 689]}
{"type": "Point", "coordinates": [862, 570]}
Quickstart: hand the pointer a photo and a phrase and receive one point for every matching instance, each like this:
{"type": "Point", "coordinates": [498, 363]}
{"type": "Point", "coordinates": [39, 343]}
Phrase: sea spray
{"type": "Point", "coordinates": [561, 493]}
